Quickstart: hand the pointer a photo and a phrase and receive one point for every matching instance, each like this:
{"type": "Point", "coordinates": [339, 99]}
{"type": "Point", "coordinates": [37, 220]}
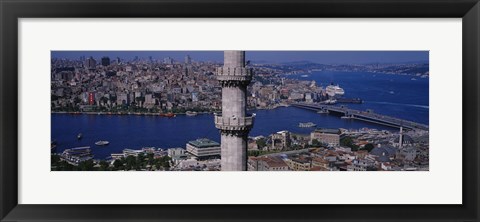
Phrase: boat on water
{"type": "Point", "coordinates": [102, 143]}
{"type": "Point", "coordinates": [330, 101]}
{"type": "Point", "coordinates": [350, 100]}
{"type": "Point", "coordinates": [167, 115]}
{"type": "Point", "coordinates": [191, 113]}
{"type": "Point", "coordinates": [413, 79]}
{"type": "Point", "coordinates": [334, 91]}
{"type": "Point", "coordinates": [306, 125]}
{"type": "Point", "coordinates": [79, 136]}
{"type": "Point", "coordinates": [304, 76]}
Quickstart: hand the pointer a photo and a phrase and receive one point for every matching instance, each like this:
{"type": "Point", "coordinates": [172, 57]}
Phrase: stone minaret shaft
{"type": "Point", "coordinates": [234, 123]}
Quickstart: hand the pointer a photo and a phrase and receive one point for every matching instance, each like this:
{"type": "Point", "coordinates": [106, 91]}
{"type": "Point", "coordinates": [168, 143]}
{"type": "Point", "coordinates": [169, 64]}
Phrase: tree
{"type": "Point", "coordinates": [86, 165]}
{"type": "Point", "coordinates": [261, 143]}
{"type": "Point", "coordinates": [64, 166]}
{"type": "Point", "coordinates": [315, 142]}
{"type": "Point", "coordinates": [77, 100]}
{"type": "Point", "coordinates": [166, 165]}
{"type": "Point", "coordinates": [369, 147]}
{"type": "Point", "coordinates": [348, 142]}
{"type": "Point", "coordinates": [104, 100]}
{"type": "Point", "coordinates": [118, 164]}
{"type": "Point", "coordinates": [140, 158]}
{"type": "Point", "coordinates": [54, 159]}
{"type": "Point", "coordinates": [131, 162]}
{"type": "Point", "coordinates": [297, 147]}
{"type": "Point", "coordinates": [151, 159]}
{"type": "Point", "coordinates": [158, 164]}
{"type": "Point", "coordinates": [104, 165]}
{"type": "Point", "coordinates": [253, 153]}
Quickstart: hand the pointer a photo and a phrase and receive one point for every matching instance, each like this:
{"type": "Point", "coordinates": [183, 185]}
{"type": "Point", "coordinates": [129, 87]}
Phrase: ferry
{"type": "Point", "coordinates": [191, 113]}
{"type": "Point", "coordinates": [334, 90]}
{"type": "Point", "coordinates": [102, 143]}
{"type": "Point", "coordinates": [306, 125]}
{"type": "Point", "coordinates": [323, 112]}
{"type": "Point", "coordinates": [350, 100]}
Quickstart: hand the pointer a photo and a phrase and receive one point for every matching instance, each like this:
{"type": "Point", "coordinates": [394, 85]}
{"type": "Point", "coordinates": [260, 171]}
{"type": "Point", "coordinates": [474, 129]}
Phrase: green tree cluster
{"type": "Point", "coordinates": [141, 162]}
{"type": "Point", "coordinates": [348, 142]}
{"type": "Point", "coordinates": [368, 147]}
{"type": "Point", "coordinates": [261, 143]}
{"type": "Point", "coordinates": [260, 152]}
{"type": "Point", "coordinates": [59, 165]}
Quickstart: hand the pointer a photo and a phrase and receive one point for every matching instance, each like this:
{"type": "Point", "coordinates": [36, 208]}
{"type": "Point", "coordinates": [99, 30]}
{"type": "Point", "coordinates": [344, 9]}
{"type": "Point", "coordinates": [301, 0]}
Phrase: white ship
{"type": "Point", "coordinates": [306, 125]}
{"type": "Point", "coordinates": [191, 113]}
{"type": "Point", "coordinates": [334, 91]}
{"type": "Point", "coordinates": [102, 143]}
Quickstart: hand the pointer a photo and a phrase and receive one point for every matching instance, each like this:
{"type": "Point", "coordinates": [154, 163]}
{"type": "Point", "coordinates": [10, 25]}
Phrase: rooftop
{"type": "Point", "coordinates": [388, 150]}
{"type": "Point", "coordinates": [203, 143]}
{"type": "Point", "coordinates": [329, 131]}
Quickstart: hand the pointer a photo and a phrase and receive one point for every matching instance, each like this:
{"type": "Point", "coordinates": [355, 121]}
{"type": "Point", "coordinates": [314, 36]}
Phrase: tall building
{"type": "Point", "coordinates": [91, 98]}
{"type": "Point", "coordinates": [105, 61]}
{"type": "Point", "coordinates": [330, 137]}
{"type": "Point", "coordinates": [234, 123]}
{"type": "Point", "coordinates": [168, 61]}
{"type": "Point", "coordinates": [185, 71]}
{"type": "Point", "coordinates": [188, 59]}
{"type": "Point", "coordinates": [90, 63]}
{"type": "Point", "coordinates": [281, 140]}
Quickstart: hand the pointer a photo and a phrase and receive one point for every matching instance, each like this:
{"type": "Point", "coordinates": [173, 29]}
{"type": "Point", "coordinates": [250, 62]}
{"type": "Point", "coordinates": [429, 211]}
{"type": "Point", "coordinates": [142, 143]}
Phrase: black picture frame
{"type": "Point", "coordinates": [11, 11]}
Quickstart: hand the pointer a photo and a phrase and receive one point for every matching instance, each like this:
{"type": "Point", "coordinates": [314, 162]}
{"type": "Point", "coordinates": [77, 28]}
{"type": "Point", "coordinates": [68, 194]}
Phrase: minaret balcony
{"type": "Point", "coordinates": [234, 74]}
{"type": "Point", "coordinates": [234, 123]}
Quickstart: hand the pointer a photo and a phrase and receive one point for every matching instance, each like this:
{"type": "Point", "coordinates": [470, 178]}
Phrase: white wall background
{"type": "Point", "coordinates": [441, 185]}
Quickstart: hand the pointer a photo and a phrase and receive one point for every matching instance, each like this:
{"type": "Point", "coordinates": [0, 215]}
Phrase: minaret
{"type": "Point", "coordinates": [234, 123]}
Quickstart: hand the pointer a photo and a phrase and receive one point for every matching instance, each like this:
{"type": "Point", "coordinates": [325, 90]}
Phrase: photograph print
{"type": "Point", "coordinates": [239, 110]}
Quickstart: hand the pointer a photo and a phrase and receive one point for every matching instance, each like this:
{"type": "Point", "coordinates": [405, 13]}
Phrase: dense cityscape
{"type": "Point", "coordinates": [167, 88]}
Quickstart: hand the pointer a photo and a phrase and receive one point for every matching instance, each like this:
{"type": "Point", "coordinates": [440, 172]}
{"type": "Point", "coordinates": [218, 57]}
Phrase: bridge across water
{"type": "Point", "coordinates": [367, 116]}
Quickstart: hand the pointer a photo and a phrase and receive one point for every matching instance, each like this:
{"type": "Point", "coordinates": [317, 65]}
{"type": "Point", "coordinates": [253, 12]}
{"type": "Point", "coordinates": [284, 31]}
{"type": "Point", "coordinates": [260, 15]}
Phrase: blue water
{"type": "Point", "coordinates": [393, 95]}
{"type": "Point", "coordinates": [410, 101]}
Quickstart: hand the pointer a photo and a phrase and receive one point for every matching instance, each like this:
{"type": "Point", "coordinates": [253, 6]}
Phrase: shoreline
{"type": "Point", "coordinates": [149, 114]}
{"type": "Point", "coordinates": [123, 114]}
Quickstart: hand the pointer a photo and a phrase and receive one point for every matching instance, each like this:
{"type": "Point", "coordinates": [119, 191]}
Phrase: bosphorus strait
{"type": "Point", "coordinates": [148, 114]}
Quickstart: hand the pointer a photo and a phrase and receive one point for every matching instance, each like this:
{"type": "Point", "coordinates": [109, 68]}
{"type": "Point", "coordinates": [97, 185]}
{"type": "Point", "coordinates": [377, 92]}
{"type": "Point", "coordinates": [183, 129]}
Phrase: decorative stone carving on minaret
{"type": "Point", "coordinates": [234, 123]}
